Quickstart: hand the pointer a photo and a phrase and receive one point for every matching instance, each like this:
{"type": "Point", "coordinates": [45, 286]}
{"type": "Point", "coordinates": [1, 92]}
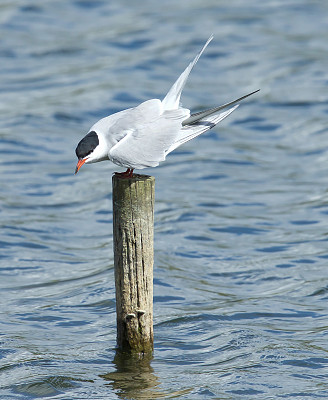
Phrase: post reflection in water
{"type": "Point", "coordinates": [134, 377]}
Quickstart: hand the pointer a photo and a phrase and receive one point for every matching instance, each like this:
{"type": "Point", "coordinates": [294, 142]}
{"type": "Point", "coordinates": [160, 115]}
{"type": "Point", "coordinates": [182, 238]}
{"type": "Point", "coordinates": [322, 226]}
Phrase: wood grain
{"type": "Point", "coordinates": [133, 230]}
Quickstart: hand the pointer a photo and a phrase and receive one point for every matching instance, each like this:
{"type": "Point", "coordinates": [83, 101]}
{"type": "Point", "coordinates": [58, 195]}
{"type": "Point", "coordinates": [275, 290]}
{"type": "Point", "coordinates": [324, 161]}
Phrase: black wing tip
{"type": "Point", "coordinates": [202, 114]}
{"type": "Point", "coordinates": [255, 91]}
{"type": "Point", "coordinates": [246, 95]}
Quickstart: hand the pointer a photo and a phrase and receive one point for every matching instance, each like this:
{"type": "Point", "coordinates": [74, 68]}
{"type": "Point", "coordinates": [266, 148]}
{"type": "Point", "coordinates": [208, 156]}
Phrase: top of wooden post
{"type": "Point", "coordinates": [134, 178]}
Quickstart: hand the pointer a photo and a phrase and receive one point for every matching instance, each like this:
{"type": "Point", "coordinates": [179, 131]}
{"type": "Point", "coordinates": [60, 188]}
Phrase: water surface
{"type": "Point", "coordinates": [240, 290]}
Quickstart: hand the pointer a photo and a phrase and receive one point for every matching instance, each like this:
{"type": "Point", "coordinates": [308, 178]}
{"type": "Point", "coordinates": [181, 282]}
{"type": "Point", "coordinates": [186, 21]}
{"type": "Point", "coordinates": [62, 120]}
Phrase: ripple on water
{"type": "Point", "coordinates": [240, 271]}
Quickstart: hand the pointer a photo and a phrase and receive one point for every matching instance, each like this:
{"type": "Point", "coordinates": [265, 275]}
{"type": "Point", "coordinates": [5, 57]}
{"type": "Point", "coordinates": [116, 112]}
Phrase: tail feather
{"type": "Point", "coordinates": [202, 114]}
{"type": "Point", "coordinates": [202, 121]}
{"type": "Point", "coordinates": [189, 132]}
{"type": "Point", "coordinates": [172, 99]}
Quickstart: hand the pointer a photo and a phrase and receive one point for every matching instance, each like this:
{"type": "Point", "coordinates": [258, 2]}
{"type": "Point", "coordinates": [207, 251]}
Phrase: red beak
{"type": "Point", "coordinates": [79, 165]}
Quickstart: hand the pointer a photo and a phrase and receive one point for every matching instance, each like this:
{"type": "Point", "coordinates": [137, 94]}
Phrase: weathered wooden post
{"type": "Point", "coordinates": [133, 230]}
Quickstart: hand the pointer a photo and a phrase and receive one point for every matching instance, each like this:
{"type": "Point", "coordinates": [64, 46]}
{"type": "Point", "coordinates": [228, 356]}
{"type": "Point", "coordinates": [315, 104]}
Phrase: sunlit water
{"type": "Point", "coordinates": [240, 290]}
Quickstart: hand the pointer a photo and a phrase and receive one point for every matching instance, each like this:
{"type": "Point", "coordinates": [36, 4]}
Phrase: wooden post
{"type": "Point", "coordinates": [133, 230]}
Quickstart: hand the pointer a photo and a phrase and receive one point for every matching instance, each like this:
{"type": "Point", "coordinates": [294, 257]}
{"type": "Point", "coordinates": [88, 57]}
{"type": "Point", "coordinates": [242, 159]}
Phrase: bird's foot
{"type": "Point", "coordinates": [127, 174]}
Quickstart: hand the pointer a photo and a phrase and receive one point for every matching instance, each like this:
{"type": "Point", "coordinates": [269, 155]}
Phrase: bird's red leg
{"type": "Point", "coordinates": [127, 174]}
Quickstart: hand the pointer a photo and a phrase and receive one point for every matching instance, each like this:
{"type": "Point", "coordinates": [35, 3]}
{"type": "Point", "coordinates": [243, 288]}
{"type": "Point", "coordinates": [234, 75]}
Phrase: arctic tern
{"type": "Point", "coordinates": [143, 136]}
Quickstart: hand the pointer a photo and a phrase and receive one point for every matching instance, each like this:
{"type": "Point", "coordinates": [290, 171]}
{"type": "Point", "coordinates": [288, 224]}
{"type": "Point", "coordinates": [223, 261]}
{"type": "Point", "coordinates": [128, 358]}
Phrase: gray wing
{"type": "Point", "coordinates": [189, 132]}
{"type": "Point", "coordinates": [202, 114]}
{"type": "Point", "coordinates": [202, 121]}
{"type": "Point", "coordinates": [150, 132]}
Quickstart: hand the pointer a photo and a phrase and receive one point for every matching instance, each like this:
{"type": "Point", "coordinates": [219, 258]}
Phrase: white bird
{"type": "Point", "coordinates": [143, 136]}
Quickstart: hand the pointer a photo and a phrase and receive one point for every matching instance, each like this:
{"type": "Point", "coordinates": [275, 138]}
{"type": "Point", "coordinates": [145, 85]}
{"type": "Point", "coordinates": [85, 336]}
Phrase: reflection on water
{"type": "Point", "coordinates": [241, 213]}
{"type": "Point", "coordinates": [134, 377]}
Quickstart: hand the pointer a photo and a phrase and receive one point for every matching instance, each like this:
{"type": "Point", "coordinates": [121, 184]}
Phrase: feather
{"type": "Point", "coordinates": [172, 99]}
{"type": "Point", "coordinates": [202, 114]}
{"type": "Point", "coordinates": [197, 128]}
{"type": "Point", "coordinates": [149, 133]}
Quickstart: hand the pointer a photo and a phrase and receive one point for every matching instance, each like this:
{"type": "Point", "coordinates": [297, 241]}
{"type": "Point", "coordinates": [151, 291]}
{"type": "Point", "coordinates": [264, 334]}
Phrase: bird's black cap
{"type": "Point", "coordinates": [87, 145]}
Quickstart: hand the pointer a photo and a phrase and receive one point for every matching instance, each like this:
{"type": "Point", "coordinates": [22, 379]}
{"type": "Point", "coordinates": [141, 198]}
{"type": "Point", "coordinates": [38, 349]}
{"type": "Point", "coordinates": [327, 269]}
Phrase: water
{"type": "Point", "coordinates": [241, 289]}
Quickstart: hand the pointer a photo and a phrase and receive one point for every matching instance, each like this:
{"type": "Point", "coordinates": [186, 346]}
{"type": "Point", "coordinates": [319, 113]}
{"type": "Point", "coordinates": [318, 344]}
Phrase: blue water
{"type": "Point", "coordinates": [241, 224]}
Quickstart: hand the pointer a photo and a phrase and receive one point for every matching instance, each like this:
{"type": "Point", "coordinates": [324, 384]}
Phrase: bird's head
{"type": "Point", "coordinates": [88, 150]}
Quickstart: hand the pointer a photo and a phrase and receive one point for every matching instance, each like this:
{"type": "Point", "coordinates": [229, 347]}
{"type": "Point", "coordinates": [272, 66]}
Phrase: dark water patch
{"type": "Point", "coordinates": [312, 363]}
{"type": "Point", "coordinates": [205, 394]}
{"type": "Point", "coordinates": [266, 127]}
{"type": "Point", "coordinates": [27, 149]}
{"type": "Point", "coordinates": [213, 177]}
{"type": "Point", "coordinates": [266, 315]}
{"type": "Point", "coordinates": [135, 44]}
{"type": "Point", "coordinates": [126, 98]}
{"type": "Point", "coordinates": [194, 254]}
{"type": "Point", "coordinates": [160, 282]}
{"type": "Point", "coordinates": [87, 4]}
{"type": "Point", "coordinates": [215, 54]}
{"type": "Point", "coordinates": [40, 318]}
{"type": "Point", "coordinates": [239, 230]}
{"type": "Point", "coordinates": [104, 212]}
{"type": "Point", "coordinates": [67, 117]}
{"type": "Point", "coordinates": [24, 229]}
{"type": "Point", "coordinates": [168, 299]}
{"type": "Point", "coordinates": [18, 152]}
{"type": "Point", "coordinates": [199, 238]}
{"type": "Point", "coordinates": [212, 205]}
{"type": "Point", "coordinates": [190, 216]}
{"type": "Point", "coordinates": [39, 194]}
{"type": "Point", "coordinates": [181, 152]}
{"type": "Point", "coordinates": [31, 8]}
{"type": "Point", "coordinates": [28, 245]}
{"type": "Point", "coordinates": [236, 274]}
{"type": "Point", "coordinates": [304, 261]}
{"type": "Point", "coordinates": [320, 292]}
{"type": "Point", "coordinates": [62, 175]}
{"type": "Point", "coordinates": [75, 323]}
{"type": "Point", "coordinates": [104, 221]}
{"type": "Point", "coordinates": [12, 270]}
{"type": "Point", "coordinates": [165, 210]}
{"type": "Point", "coordinates": [50, 386]}
{"type": "Point", "coordinates": [249, 119]}
{"type": "Point", "coordinates": [286, 265]}
{"type": "Point", "coordinates": [57, 282]}
{"type": "Point", "coordinates": [104, 306]}
{"type": "Point", "coordinates": [173, 231]}
{"type": "Point", "coordinates": [313, 152]}
{"type": "Point", "coordinates": [249, 204]}
{"type": "Point", "coordinates": [236, 162]}
{"type": "Point", "coordinates": [246, 392]}
{"type": "Point", "coordinates": [272, 279]}
{"type": "Point", "coordinates": [272, 249]}
{"type": "Point", "coordinates": [304, 222]}
{"type": "Point", "coordinates": [292, 103]}
{"type": "Point", "coordinates": [244, 316]}
{"type": "Point", "coordinates": [61, 52]}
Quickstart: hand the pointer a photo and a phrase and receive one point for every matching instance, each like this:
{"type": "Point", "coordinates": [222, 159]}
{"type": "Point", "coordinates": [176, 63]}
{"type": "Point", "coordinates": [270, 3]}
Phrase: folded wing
{"type": "Point", "coordinates": [150, 133]}
{"type": "Point", "coordinates": [202, 121]}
